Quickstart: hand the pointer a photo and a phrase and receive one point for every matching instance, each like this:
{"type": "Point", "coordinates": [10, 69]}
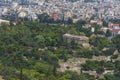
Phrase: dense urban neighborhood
{"type": "Point", "coordinates": [61, 9]}
{"type": "Point", "coordinates": [59, 39]}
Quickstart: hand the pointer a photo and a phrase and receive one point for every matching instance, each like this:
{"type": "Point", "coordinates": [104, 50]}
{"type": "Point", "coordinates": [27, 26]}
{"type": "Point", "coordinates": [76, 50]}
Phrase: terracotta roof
{"type": "Point", "coordinates": [116, 24]}
{"type": "Point", "coordinates": [115, 30]}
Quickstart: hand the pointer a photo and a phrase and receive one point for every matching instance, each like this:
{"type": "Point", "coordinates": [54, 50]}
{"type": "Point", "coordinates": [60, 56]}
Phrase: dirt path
{"type": "Point", "coordinates": [1, 78]}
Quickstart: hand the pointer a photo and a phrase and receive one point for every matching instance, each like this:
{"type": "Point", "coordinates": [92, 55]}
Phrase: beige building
{"type": "Point", "coordinates": [4, 22]}
{"type": "Point", "coordinates": [76, 38]}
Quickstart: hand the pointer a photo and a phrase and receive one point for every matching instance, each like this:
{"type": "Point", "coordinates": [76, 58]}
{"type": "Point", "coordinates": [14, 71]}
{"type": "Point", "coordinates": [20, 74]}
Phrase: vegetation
{"type": "Point", "coordinates": [32, 50]}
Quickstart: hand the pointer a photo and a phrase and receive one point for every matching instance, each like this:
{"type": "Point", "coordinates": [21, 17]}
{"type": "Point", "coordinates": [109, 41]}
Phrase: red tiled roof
{"type": "Point", "coordinates": [115, 30]}
{"type": "Point", "coordinates": [116, 24]}
{"type": "Point", "coordinates": [99, 21]}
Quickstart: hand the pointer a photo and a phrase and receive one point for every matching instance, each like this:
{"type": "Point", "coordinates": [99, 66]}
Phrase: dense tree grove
{"type": "Point", "coordinates": [32, 50]}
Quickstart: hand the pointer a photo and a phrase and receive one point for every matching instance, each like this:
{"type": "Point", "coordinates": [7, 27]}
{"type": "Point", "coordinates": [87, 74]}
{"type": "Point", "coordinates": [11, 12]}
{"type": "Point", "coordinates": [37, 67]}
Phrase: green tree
{"type": "Point", "coordinates": [100, 70]}
{"type": "Point", "coordinates": [81, 22]}
{"type": "Point", "coordinates": [101, 42]}
{"type": "Point", "coordinates": [52, 77]}
{"type": "Point", "coordinates": [83, 77]}
{"type": "Point", "coordinates": [108, 33]}
{"type": "Point", "coordinates": [69, 21]}
{"type": "Point", "coordinates": [116, 41]}
{"type": "Point", "coordinates": [109, 77]}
